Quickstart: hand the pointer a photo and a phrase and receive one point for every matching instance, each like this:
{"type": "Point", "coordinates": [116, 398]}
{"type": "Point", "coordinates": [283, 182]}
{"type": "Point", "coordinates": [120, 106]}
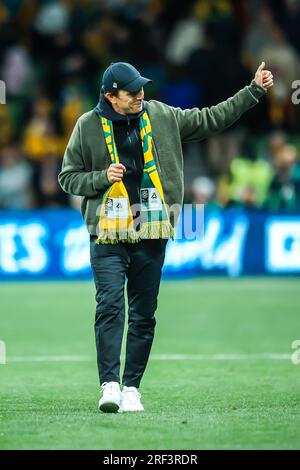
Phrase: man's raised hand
{"type": "Point", "coordinates": [263, 78]}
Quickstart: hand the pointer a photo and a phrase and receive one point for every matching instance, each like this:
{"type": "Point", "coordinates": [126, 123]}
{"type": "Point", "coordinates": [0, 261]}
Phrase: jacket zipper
{"type": "Point", "coordinates": [128, 133]}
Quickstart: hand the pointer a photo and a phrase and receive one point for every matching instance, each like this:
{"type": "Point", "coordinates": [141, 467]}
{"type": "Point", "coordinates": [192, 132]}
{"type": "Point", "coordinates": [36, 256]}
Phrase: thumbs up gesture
{"type": "Point", "coordinates": [263, 78]}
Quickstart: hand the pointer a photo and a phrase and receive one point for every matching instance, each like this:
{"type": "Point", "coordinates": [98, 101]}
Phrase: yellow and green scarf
{"type": "Point", "coordinates": [116, 222]}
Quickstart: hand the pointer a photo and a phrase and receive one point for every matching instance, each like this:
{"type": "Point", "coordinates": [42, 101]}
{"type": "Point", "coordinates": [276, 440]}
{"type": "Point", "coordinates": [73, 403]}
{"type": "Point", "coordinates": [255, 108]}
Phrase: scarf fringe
{"type": "Point", "coordinates": [148, 231]}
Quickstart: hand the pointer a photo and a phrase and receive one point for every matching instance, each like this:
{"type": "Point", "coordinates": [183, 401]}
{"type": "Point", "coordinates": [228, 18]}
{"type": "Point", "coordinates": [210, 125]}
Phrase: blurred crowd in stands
{"type": "Point", "coordinates": [198, 53]}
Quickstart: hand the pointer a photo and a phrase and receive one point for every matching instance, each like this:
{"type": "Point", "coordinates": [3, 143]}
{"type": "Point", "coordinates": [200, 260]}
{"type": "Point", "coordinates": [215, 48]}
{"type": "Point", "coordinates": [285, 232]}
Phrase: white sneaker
{"type": "Point", "coordinates": [111, 397]}
{"type": "Point", "coordinates": [131, 400]}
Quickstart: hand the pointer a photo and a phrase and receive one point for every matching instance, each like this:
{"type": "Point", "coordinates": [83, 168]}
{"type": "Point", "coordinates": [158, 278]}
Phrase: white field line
{"type": "Point", "coordinates": [160, 357]}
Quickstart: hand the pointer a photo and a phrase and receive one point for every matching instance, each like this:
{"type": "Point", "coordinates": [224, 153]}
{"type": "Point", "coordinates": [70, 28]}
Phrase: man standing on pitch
{"type": "Point", "coordinates": [125, 159]}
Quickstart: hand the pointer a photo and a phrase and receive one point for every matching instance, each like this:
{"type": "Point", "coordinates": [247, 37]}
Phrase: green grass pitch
{"type": "Point", "coordinates": [246, 401]}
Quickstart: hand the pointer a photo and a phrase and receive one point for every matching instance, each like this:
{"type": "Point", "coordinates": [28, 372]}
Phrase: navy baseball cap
{"type": "Point", "coordinates": [122, 76]}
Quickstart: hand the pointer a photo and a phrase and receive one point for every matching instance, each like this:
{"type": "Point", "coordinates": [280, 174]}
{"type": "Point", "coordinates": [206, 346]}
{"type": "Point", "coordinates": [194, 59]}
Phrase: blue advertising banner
{"type": "Point", "coordinates": [54, 244]}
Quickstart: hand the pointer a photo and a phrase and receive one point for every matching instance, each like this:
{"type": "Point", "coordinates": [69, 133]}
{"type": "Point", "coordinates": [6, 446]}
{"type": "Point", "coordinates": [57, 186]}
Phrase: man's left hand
{"type": "Point", "coordinates": [263, 78]}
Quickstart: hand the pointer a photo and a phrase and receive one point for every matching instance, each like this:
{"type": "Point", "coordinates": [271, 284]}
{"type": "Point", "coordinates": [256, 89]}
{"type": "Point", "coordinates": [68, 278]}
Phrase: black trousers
{"type": "Point", "coordinates": [141, 263]}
